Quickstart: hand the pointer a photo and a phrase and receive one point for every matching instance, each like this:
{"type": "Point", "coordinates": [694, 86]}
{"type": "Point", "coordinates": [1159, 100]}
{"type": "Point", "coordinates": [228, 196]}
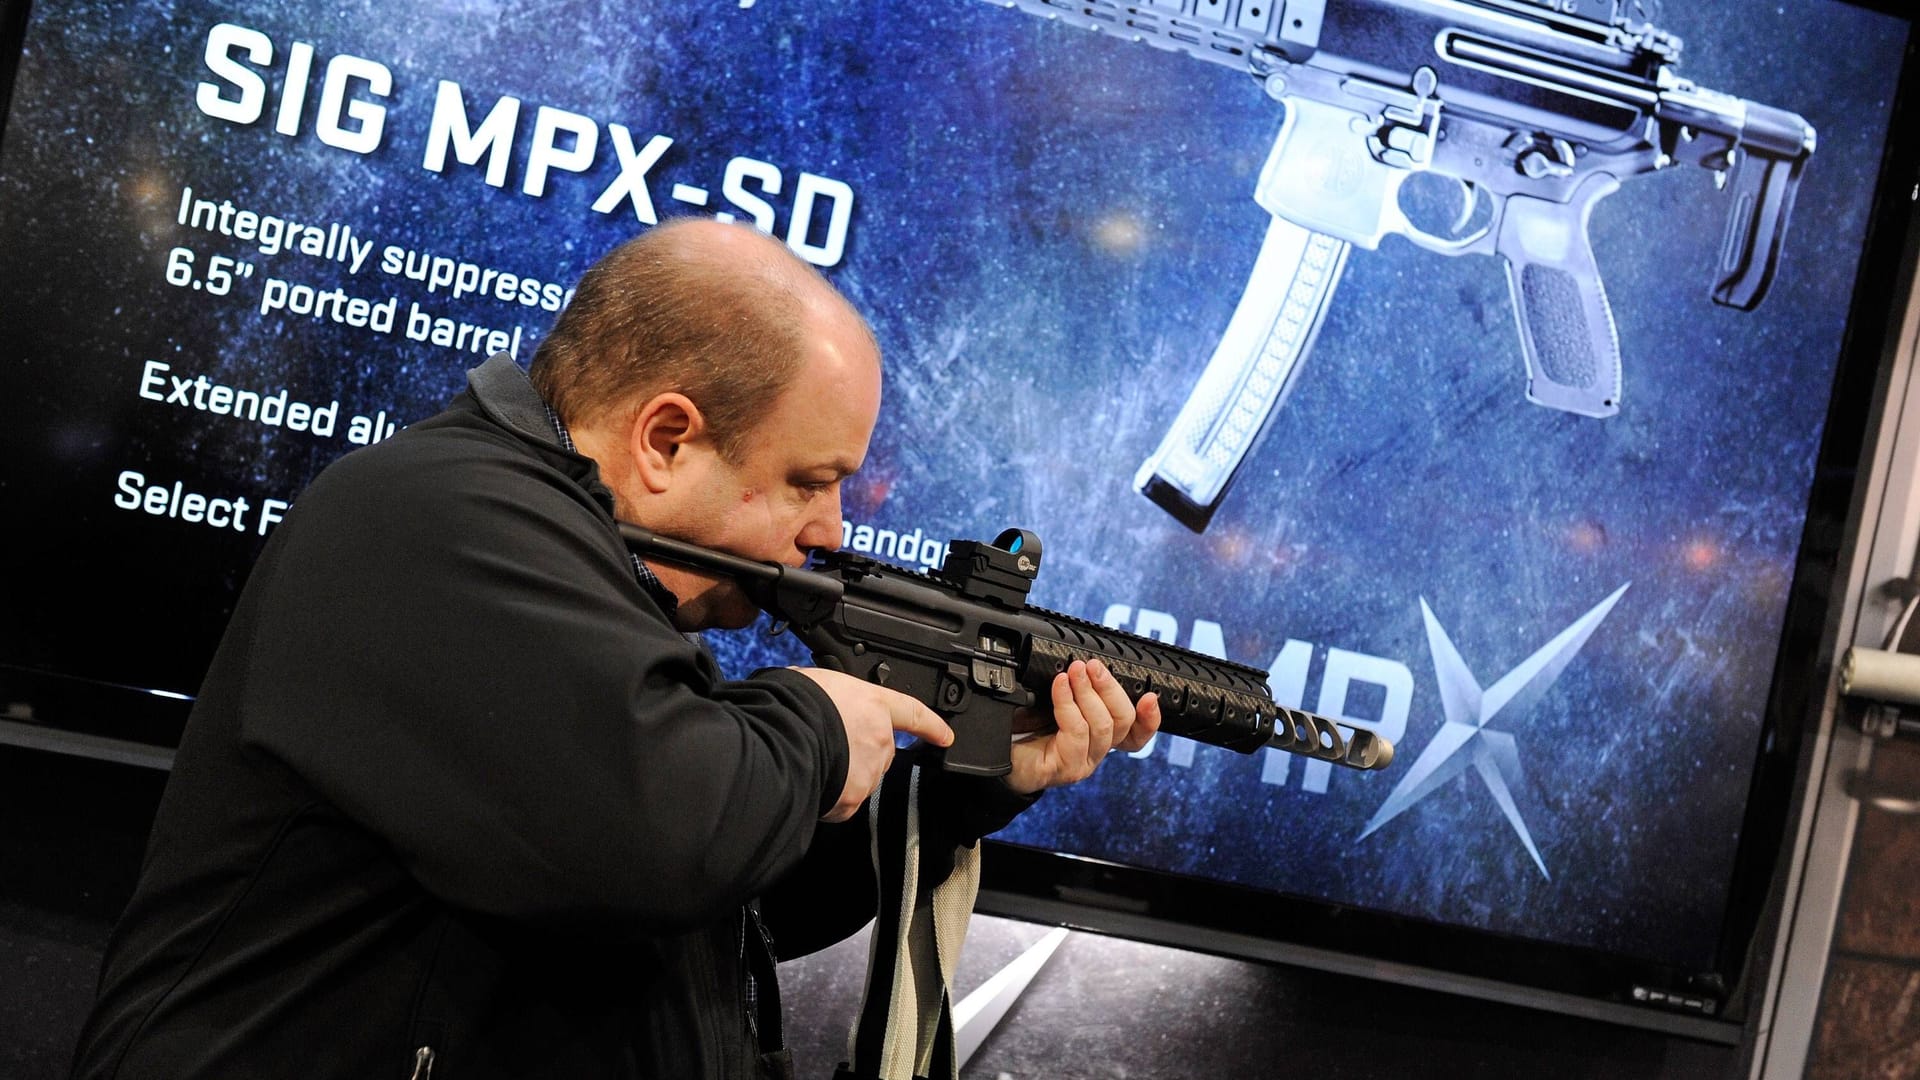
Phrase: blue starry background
{"type": "Point", "coordinates": [1049, 232]}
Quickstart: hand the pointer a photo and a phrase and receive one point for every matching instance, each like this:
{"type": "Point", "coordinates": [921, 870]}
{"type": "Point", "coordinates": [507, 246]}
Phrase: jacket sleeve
{"type": "Point", "coordinates": [454, 653]}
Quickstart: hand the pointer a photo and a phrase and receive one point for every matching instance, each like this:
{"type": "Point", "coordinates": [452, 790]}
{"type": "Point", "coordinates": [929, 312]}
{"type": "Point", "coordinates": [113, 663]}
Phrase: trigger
{"type": "Point", "coordinates": [1469, 202]}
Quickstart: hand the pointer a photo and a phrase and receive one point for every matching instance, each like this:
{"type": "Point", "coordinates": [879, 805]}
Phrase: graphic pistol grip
{"type": "Point", "coordinates": [1566, 325]}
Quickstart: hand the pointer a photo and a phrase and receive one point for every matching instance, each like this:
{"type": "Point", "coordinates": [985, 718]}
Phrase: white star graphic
{"type": "Point", "coordinates": [1464, 739]}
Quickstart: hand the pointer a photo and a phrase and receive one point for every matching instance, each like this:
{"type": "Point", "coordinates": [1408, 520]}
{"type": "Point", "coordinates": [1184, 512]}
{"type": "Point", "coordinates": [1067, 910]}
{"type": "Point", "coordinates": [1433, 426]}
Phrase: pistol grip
{"type": "Point", "coordinates": [1566, 325]}
{"type": "Point", "coordinates": [1763, 191]}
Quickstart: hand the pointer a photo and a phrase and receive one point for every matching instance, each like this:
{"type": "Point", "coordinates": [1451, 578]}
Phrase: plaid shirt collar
{"type": "Point", "coordinates": [641, 573]}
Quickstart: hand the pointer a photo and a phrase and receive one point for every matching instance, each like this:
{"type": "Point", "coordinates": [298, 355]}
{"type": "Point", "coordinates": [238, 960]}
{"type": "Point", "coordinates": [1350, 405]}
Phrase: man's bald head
{"type": "Point", "coordinates": [718, 312]}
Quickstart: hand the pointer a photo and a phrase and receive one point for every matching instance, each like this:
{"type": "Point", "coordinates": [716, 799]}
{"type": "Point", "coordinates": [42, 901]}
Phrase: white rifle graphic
{"type": "Point", "coordinates": [1535, 110]}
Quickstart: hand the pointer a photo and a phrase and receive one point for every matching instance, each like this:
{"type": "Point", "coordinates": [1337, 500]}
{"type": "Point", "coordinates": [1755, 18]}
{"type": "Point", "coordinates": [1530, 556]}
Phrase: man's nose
{"type": "Point", "coordinates": [823, 526]}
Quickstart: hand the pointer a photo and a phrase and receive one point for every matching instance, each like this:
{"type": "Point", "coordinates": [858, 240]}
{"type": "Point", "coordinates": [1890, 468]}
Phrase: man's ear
{"type": "Point", "coordinates": [662, 429]}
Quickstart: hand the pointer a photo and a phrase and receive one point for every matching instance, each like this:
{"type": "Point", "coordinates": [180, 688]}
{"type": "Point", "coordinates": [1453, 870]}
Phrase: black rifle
{"type": "Point", "coordinates": [963, 640]}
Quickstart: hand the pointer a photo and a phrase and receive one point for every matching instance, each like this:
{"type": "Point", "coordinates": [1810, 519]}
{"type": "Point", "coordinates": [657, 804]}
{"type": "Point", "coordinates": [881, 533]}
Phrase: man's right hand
{"type": "Point", "coordinates": [871, 714]}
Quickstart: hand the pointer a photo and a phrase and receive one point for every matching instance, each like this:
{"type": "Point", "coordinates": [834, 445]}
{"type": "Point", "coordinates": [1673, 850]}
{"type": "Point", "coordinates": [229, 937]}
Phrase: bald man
{"type": "Point", "coordinates": [459, 795]}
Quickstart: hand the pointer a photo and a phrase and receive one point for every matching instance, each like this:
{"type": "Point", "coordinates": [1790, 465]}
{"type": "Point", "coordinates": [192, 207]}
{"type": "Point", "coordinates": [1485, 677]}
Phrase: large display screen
{"type": "Point", "coordinates": [1331, 393]}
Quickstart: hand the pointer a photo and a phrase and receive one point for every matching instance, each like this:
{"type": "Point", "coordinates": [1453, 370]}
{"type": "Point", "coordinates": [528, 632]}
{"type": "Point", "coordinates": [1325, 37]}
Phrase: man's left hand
{"type": "Point", "coordinates": [1091, 716]}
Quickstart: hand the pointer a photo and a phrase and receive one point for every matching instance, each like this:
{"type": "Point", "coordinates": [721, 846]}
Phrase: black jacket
{"type": "Point", "coordinates": [454, 782]}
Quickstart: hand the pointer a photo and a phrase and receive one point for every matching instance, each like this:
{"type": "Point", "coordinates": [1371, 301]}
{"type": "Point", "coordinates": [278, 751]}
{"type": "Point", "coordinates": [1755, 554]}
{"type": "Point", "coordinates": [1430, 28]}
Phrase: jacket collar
{"type": "Point", "coordinates": [507, 396]}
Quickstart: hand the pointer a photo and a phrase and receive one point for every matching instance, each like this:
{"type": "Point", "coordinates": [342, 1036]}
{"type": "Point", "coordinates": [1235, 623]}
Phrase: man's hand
{"type": "Point", "coordinates": [871, 714]}
{"type": "Point", "coordinates": [1091, 715]}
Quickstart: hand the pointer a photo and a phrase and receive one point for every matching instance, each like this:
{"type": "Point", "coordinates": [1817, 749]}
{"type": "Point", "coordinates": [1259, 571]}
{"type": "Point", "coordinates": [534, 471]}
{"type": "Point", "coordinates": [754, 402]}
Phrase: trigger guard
{"type": "Point", "coordinates": [1443, 245]}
